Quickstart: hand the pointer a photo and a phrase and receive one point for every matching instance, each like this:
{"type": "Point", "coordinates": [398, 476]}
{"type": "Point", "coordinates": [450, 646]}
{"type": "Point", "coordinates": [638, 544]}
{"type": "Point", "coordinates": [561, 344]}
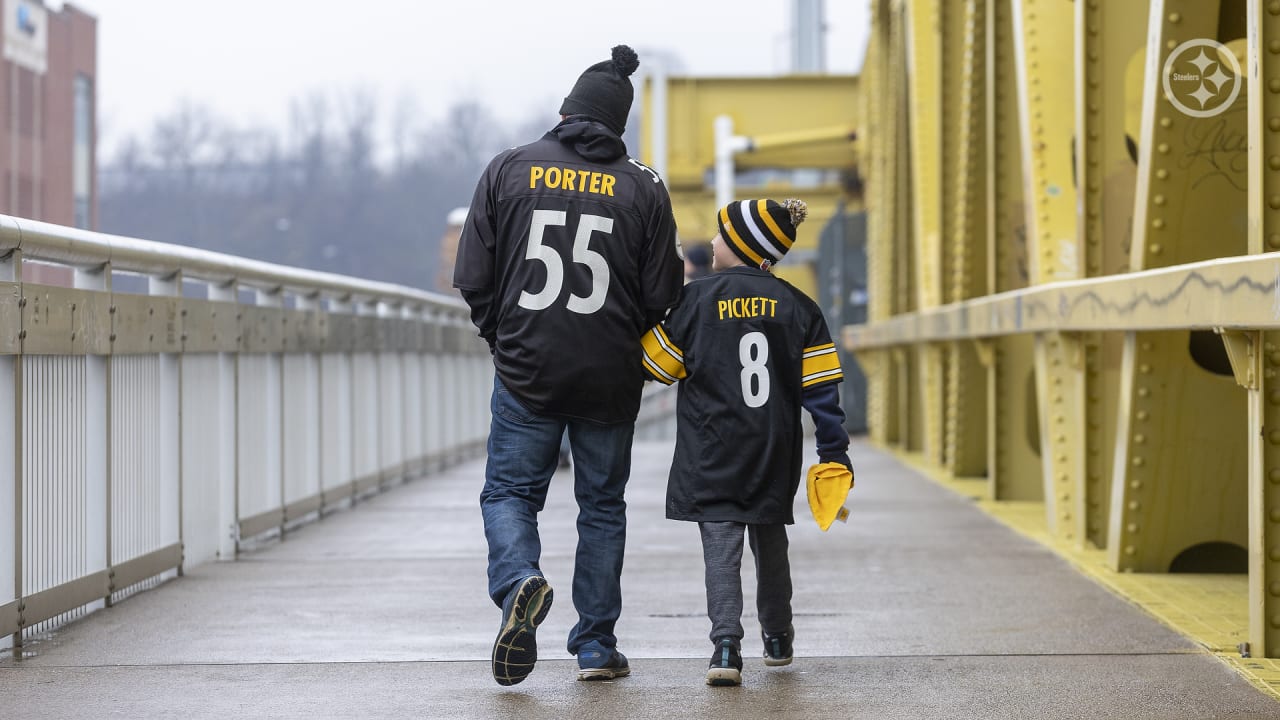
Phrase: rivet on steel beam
{"type": "Point", "coordinates": [1275, 621]}
{"type": "Point", "coordinates": [1163, 148]}
{"type": "Point", "coordinates": [1274, 554]}
{"type": "Point", "coordinates": [1171, 44]}
{"type": "Point", "coordinates": [1134, 505]}
{"type": "Point", "coordinates": [1274, 437]}
{"type": "Point", "coordinates": [1139, 461]}
{"type": "Point", "coordinates": [1274, 397]}
{"type": "Point", "coordinates": [1274, 514]}
{"type": "Point", "coordinates": [1274, 46]}
{"type": "Point", "coordinates": [1135, 485]}
{"type": "Point", "coordinates": [1273, 124]}
{"type": "Point", "coordinates": [1143, 392]}
{"type": "Point", "coordinates": [1275, 588]}
{"type": "Point", "coordinates": [1145, 347]}
{"type": "Point", "coordinates": [1144, 368]}
{"type": "Point", "coordinates": [1165, 122]}
{"type": "Point", "coordinates": [1175, 18]}
{"type": "Point", "coordinates": [1274, 202]}
{"type": "Point", "coordinates": [1139, 438]}
{"type": "Point", "coordinates": [1274, 475]}
{"type": "Point", "coordinates": [1274, 162]}
{"type": "Point", "coordinates": [1274, 85]}
{"type": "Point", "coordinates": [1132, 527]}
{"type": "Point", "coordinates": [1130, 550]}
{"type": "Point", "coordinates": [1274, 8]}
{"type": "Point", "coordinates": [1158, 199]}
{"type": "Point", "coordinates": [1162, 174]}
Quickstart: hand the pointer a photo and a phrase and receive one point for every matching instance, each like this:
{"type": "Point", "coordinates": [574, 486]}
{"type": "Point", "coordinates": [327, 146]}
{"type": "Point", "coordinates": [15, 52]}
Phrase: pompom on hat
{"type": "Point", "coordinates": [760, 232]}
{"type": "Point", "coordinates": [603, 91]}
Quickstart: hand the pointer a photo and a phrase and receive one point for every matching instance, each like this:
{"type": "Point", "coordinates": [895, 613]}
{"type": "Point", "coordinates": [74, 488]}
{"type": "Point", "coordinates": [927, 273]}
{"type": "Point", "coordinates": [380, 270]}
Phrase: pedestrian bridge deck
{"type": "Point", "coordinates": [921, 606]}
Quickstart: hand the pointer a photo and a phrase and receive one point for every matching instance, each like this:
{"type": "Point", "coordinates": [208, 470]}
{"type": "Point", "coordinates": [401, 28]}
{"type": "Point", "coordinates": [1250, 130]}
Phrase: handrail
{"type": "Point", "coordinates": [89, 250]}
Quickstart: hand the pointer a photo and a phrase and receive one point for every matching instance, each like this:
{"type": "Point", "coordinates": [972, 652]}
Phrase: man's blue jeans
{"type": "Point", "coordinates": [523, 454]}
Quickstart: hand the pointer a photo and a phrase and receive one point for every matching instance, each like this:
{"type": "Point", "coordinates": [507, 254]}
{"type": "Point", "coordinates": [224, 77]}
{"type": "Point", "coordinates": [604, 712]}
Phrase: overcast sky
{"type": "Point", "coordinates": [249, 58]}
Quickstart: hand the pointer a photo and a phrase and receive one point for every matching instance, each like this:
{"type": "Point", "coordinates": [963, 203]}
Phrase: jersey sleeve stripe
{"type": "Point", "coordinates": [659, 356]}
{"type": "Point", "coordinates": [665, 340]}
{"type": "Point", "coordinates": [822, 377]}
{"type": "Point", "coordinates": [657, 372]}
{"type": "Point", "coordinates": [819, 363]}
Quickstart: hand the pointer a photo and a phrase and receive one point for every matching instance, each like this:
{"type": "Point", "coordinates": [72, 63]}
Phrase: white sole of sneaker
{"type": "Point", "coordinates": [776, 662]}
{"type": "Point", "coordinates": [603, 673]}
{"type": "Point", "coordinates": [724, 677]}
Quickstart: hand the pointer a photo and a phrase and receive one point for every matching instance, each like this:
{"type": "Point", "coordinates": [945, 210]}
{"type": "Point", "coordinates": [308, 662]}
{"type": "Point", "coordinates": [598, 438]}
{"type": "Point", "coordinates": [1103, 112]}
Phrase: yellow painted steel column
{"type": "Point", "coordinates": [1046, 89]}
{"type": "Point", "coordinates": [905, 385]}
{"type": "Point", "coordinates": [879, 165]}
{"type": "Point", "coordinates": [1013, 432]}
{"type": "Point", "coordinates": [1264, 400]}
{"type": "Point", "coordinates": [1110, 52]}
{"type": "Point", "coordinates": [966, 450]}
{"type": "Point", "coordinates": [925, 27]}
{"type": "Point", "coordinates": [1175, 505]}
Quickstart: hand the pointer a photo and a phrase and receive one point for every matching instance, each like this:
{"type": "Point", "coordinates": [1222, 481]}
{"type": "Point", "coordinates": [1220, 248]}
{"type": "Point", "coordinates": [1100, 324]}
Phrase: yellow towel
{"type": "Point", "coordinates": [828, 486]}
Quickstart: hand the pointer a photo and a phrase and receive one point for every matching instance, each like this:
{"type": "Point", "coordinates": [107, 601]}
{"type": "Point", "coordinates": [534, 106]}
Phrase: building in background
{"type": "Point", "coordinates": [47, 125]}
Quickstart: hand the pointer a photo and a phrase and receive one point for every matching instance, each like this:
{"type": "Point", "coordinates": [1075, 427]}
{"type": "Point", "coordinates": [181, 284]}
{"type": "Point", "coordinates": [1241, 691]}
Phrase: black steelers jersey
{"type": "Point", "coordinates": [744, 345]}
{"type": "Point", "coordinates": [573, 245]}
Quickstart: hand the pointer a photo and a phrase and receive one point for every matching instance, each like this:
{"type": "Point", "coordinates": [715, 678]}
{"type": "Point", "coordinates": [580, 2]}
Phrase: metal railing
{"type": "Point", "coordinates": [221, 400]}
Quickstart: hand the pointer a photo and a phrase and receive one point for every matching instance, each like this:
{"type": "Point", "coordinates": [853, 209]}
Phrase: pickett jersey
{"type": "Point", "coordinates": [568, 255]}
{"type": "Point", "coordinates": [744, 345]}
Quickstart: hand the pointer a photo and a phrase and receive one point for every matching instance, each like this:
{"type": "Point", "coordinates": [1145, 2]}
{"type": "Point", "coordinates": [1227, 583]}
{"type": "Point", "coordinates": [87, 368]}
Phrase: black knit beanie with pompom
{"type": "Point", "coordinates": [603, 91]}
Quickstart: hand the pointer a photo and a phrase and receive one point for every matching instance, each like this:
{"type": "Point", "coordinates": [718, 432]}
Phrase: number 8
{"type": "Point", "coordinates": [753, 353]}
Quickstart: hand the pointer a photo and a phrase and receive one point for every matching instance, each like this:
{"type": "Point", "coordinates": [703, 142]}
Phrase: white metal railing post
{"type": "Point", "coordinates": [337, 439]}
{"type": "Point", "coordinates": [95, 426]}
{"type": "Point", "coordinates": [169, 427]}
{"type": "Point", "coordinates": [364, 407]}
{"type": "Point", "coordinates": [414, 449]}
{"type": "Point", "coordinates": [10, 464]}
{"type": "Point", "coordinates": [390, 399]}
{"type": "Point", "coordinates": [225, 372]}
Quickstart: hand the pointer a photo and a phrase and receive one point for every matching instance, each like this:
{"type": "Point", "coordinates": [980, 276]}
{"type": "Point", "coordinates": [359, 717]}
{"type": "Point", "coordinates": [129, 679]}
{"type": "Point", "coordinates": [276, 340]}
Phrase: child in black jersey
{"type": "Point", "coordinates": [749, 351]}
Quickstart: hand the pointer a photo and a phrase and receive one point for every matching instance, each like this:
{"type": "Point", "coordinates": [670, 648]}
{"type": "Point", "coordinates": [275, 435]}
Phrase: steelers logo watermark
{"type": "Point", "coordinates": [1202, 78]}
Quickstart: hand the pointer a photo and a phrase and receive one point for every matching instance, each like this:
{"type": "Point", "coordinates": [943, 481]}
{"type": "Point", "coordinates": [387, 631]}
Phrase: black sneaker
{"type": "Point", "coordinates": [516, 649]}
{"type": "Point", "coordinates": [726, 664]}
{"type": "Point", "coordinates": [594, 664]}
{"type": "Point", "coordinates": [777, 648]}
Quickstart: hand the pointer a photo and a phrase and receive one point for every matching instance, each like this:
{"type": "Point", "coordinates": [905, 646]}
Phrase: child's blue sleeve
{"type": "Point", "coordinates": [823, 404]}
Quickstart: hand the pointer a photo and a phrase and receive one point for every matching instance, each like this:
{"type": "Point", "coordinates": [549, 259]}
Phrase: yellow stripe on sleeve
{"type": "Point", "coordinates": [820, 364]}
{"type": "Point", "coordinates": [662, 358]}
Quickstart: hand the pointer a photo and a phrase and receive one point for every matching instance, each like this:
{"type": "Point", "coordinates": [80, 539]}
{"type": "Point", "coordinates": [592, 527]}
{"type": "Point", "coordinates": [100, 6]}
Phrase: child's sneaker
{"type": "Point", "coordinates": [726, 664]}
{"type": "Point", "coordinates": [777, 648]}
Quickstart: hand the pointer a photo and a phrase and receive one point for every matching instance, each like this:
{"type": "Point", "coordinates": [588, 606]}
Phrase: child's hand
{"type": "Point", "coordinates": [842, 458]}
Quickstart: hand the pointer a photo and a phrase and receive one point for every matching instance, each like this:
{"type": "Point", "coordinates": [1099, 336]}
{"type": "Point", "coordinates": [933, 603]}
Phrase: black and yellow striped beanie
{"type": "Point", "coordinates": [761, 231]}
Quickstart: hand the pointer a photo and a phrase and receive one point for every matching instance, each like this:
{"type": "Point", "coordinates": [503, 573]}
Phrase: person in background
{"type": "Point", "coordinates": [697, 261]}
{"type": "Point", "coordinates": [749, 350]}
{"type": "Point", "coordinates": [568, 254]}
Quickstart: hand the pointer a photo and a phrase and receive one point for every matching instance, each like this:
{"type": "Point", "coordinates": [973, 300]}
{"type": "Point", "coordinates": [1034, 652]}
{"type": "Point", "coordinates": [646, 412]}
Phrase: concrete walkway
{"type": "Point", "coordinates": [920, 607]}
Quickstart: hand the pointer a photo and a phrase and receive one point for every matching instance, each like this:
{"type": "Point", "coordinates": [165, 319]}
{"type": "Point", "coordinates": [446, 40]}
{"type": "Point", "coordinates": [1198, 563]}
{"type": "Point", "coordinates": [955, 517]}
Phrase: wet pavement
{"type": "Point", "coordinates": [920, 606]}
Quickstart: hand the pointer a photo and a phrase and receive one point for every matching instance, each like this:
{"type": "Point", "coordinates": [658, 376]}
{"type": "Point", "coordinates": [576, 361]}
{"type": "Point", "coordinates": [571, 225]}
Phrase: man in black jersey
{"type": "Point", "coordinates": [567, 256]}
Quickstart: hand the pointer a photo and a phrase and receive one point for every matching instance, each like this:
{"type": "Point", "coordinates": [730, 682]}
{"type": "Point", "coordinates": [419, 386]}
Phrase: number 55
{"type": "Point", "coordinates": [582, 254]}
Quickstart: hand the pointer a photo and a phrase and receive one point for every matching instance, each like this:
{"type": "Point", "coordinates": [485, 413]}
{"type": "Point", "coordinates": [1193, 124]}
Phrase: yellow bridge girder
{"type": "Point", "coordinates": [796, 122]}
{"type": "Point", "coordinates": [1073, 213]}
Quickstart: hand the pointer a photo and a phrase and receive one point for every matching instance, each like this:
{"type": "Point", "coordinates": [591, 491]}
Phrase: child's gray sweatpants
{"type": "Point", "coordinates": [722, 554]}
